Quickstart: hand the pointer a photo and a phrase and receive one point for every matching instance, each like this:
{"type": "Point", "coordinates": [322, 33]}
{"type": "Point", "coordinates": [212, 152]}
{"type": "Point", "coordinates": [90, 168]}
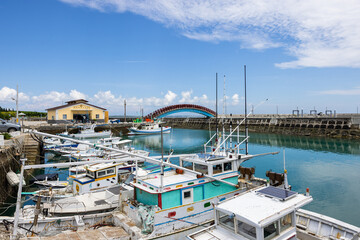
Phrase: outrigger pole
{"type": "Point", "coordinates": [148, 159]}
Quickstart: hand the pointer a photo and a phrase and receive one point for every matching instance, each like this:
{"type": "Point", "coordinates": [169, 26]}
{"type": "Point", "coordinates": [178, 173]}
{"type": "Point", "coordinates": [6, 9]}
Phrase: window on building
{"type": "Point", "coordinates": [97, 116]}
{"type": "Point", "coordinates": [64, 116]}
{"type": "Point", "coordinates": [246, 230]}
{"type": "Point", "coordinates": [271, 230]}
{"type": "Point", "coordinates": [52, 118]}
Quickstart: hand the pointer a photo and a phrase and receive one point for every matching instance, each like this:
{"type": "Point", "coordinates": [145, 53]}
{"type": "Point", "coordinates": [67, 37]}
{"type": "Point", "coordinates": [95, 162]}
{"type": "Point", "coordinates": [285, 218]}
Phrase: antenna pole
{"type": "Point", "coordinates": [216, 115]}
{"type": "Point", "coordinates": [246, 125]}
{"type": "Point", "coordinates": [286, 184]}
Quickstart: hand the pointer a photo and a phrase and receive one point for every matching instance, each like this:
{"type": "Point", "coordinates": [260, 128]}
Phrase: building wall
{"type": "Point", "coordinates": [51, 114]}
{"type": "Point", "coordinates": [75, 109]}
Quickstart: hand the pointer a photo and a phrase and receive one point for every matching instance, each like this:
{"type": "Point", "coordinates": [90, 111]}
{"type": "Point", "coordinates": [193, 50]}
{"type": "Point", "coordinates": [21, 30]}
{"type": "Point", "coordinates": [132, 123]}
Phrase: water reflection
{"type": "Point", "coordinates": [301, 142]}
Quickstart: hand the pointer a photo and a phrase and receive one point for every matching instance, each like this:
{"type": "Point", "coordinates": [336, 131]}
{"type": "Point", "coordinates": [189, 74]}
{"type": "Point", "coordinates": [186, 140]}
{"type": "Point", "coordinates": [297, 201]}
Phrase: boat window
{"type": "Point", "coordinates": [188, 165]}
{"type": "Point", "coordinates": [187, 194]}
{"type": "Point", "coordinates": [110, 171]}
{"type": "Point", "coordinates": [90, 174]}
{"type": "Point", "coordinates": [201, 168]}
{"type": "Point", "coordinates": [226, 220]}
{"type": "Point", "coordinates": [246, 230]}
{"type": "Point", "coordinates": [227, 166]}
{"type": "Point", "coordinates": [101, 173]}
{"type": "Point", "coordinates": [217, 168]}
{"type": "Point", "coordinates": [271, 230]}
{"type": "Point", "coordinates": [286, 222]}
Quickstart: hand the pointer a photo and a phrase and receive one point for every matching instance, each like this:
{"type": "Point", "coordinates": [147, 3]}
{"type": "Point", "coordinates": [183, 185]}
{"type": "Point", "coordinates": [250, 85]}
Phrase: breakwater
{"type": "Point", "coordinates": [341, 126]}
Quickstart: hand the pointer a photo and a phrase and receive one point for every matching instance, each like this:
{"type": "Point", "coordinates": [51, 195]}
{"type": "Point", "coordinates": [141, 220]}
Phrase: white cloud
{"type": "Point", "coordinates": [320, 33]}
{"type": "Point", "coordinates": [170, 97]}
{"type": "Point", "coordinates": [9, 94]}
{"type": "Point", "coordinates": [355, 91]}
{"type": "Point", "coordinates": [235, 99]}
{"type": "Point", "coordinates": [112, 102]}
{"type": "Point", "coordinates": [74, 94]}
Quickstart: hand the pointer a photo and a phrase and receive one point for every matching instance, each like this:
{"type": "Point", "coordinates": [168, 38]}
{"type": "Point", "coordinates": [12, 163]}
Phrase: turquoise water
{"type": "Point", "coordinates": [329, 168]}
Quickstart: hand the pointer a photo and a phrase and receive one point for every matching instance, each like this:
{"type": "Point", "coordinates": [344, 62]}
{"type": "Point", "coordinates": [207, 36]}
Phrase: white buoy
{"type": "Point", "coordinates": [12, 178]}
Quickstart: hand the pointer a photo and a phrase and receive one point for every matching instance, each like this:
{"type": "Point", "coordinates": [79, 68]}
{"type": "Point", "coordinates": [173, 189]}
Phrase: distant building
{"type": "Point", "coordinates": [77, 111]}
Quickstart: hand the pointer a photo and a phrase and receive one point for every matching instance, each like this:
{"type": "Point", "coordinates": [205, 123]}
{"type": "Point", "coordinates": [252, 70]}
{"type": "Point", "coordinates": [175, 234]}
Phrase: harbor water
{"type": "Point", "coordinates": [330, 168]}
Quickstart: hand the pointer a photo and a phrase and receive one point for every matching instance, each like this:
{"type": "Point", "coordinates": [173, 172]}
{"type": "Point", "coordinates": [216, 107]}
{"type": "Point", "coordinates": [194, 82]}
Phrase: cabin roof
{"type": "Point", "coordinates": [171, 179]}
{"type": "Point", "coordinates": [100, 166]}
{"type": "Point", "coordinates": [260, 210]}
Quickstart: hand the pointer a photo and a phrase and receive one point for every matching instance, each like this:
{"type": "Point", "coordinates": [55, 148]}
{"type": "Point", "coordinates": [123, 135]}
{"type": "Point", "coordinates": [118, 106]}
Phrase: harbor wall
{"type": "Point", "coordinates": [10, 160]}
{"type": "Point", "coordinates": [334, 127]}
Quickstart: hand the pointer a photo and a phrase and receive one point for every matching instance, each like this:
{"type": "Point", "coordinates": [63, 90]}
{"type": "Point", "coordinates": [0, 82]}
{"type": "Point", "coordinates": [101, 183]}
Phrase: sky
{"type": "Point", "coordinates": [298, 54]}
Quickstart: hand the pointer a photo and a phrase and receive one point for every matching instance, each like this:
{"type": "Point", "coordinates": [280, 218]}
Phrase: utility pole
{"type": "Point", "coordinates": [216, 116]}
{"type": "Point", "coordinates": [17, 103]}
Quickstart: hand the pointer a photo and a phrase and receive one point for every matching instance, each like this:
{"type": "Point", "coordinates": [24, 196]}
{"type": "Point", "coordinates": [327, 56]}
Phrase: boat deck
{"type": "Point", "coordinates": [103, 233]}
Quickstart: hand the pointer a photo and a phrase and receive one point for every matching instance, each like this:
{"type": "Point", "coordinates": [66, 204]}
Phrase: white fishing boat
{"type": "Point", "coordinates": [261, 213]}
{"type": "Point", "coordinates": [272, 213]}
{"type": "Point", "coordinates": [88, 132]}
{"type": "Point", "coordinates": [148, 128]}
{"type": "Point", "coordinates": [98, 177]}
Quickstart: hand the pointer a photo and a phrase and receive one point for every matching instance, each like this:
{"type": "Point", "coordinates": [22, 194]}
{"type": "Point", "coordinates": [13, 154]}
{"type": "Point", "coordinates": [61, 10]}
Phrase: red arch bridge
{"type": "Point", "coordinates": [162, 112]}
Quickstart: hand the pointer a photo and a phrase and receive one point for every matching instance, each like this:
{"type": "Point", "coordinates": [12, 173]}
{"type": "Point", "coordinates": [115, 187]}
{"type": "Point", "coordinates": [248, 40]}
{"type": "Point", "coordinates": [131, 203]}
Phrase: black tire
{"type": "Point", "coordinates": [11, 130]}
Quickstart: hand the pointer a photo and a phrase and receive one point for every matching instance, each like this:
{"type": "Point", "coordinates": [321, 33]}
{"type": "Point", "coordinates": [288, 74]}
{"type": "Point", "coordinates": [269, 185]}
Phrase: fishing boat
{"type": "Point", "coordinates": [88, 132]}
{"type": "Point", "coordinates": [261, 213]}
{"type": "Point", "coordinates": [272, 213]}
{"type": "Point", "coordinates": [98, 177]}
{"type": "Point", "coordinates": [148, 128]}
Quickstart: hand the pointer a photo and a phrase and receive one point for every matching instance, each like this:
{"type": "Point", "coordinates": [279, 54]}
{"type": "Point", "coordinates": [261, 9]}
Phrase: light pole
{"type": "Point", "coordinates": [17, 103]}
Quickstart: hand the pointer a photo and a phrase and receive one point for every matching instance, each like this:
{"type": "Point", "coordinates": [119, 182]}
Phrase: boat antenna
{"type": "Point", "coordinates": [286, 184]}
{"type": "Point", "coordinates": [246, 125]}
{"type": "Point", "coordinates": [216, 113]}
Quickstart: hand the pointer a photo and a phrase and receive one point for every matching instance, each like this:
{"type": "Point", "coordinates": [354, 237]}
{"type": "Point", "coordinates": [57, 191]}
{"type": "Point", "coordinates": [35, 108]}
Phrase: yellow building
{"type": "Point", "coordinates": [77, 111]}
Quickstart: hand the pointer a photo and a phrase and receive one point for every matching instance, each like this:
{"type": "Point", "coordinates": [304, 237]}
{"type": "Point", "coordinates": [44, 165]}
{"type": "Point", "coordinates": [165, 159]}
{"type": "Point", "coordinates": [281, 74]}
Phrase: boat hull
{"type": "Point", "coordinates": [134, 131]}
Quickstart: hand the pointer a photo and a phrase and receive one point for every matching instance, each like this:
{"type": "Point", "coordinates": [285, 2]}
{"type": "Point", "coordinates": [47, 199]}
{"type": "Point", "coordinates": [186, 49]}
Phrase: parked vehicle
{"type": "Point", "coordinates": [8, 127]}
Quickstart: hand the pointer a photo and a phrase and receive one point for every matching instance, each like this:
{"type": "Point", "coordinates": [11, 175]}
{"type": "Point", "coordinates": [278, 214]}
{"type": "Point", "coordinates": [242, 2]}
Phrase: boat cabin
{"type": "Point", "coordinates": [178, 187]}
{"type": "Point", "coordinates": [100, 176]}
{"type": "Point", "coordinates": [265, 213]}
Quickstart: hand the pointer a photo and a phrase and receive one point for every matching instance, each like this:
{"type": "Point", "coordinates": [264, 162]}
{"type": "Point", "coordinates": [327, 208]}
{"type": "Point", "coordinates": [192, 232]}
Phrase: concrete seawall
{"type": "Point", "coordinates": [335, 127]}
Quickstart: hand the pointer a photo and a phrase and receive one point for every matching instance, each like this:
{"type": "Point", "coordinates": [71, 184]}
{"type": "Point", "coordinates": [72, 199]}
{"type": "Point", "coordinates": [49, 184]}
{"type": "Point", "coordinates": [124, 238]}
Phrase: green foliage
{"type": "Point", "coordinates": [7, 136]}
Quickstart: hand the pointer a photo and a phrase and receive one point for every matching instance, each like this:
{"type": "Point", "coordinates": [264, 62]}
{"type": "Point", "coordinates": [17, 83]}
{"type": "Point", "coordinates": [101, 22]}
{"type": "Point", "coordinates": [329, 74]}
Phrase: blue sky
{"type": "Point", "coordinates": [299, 54]}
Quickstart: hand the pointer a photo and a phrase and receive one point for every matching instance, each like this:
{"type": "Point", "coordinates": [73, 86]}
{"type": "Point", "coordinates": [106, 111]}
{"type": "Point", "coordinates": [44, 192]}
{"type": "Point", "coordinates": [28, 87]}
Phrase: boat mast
{"type": "Point", "coordinates": [216, 114]}
{"type": "Point", "coordinates": [246, 125]}
{"type": "Point", "coordinates": [224, 114]}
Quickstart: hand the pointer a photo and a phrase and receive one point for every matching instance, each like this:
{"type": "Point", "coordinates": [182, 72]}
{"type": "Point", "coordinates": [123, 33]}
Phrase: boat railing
{"type": "Point", "coordinates": [76, 203]}
{"type": "Point", "coordinates": [231, 133]}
